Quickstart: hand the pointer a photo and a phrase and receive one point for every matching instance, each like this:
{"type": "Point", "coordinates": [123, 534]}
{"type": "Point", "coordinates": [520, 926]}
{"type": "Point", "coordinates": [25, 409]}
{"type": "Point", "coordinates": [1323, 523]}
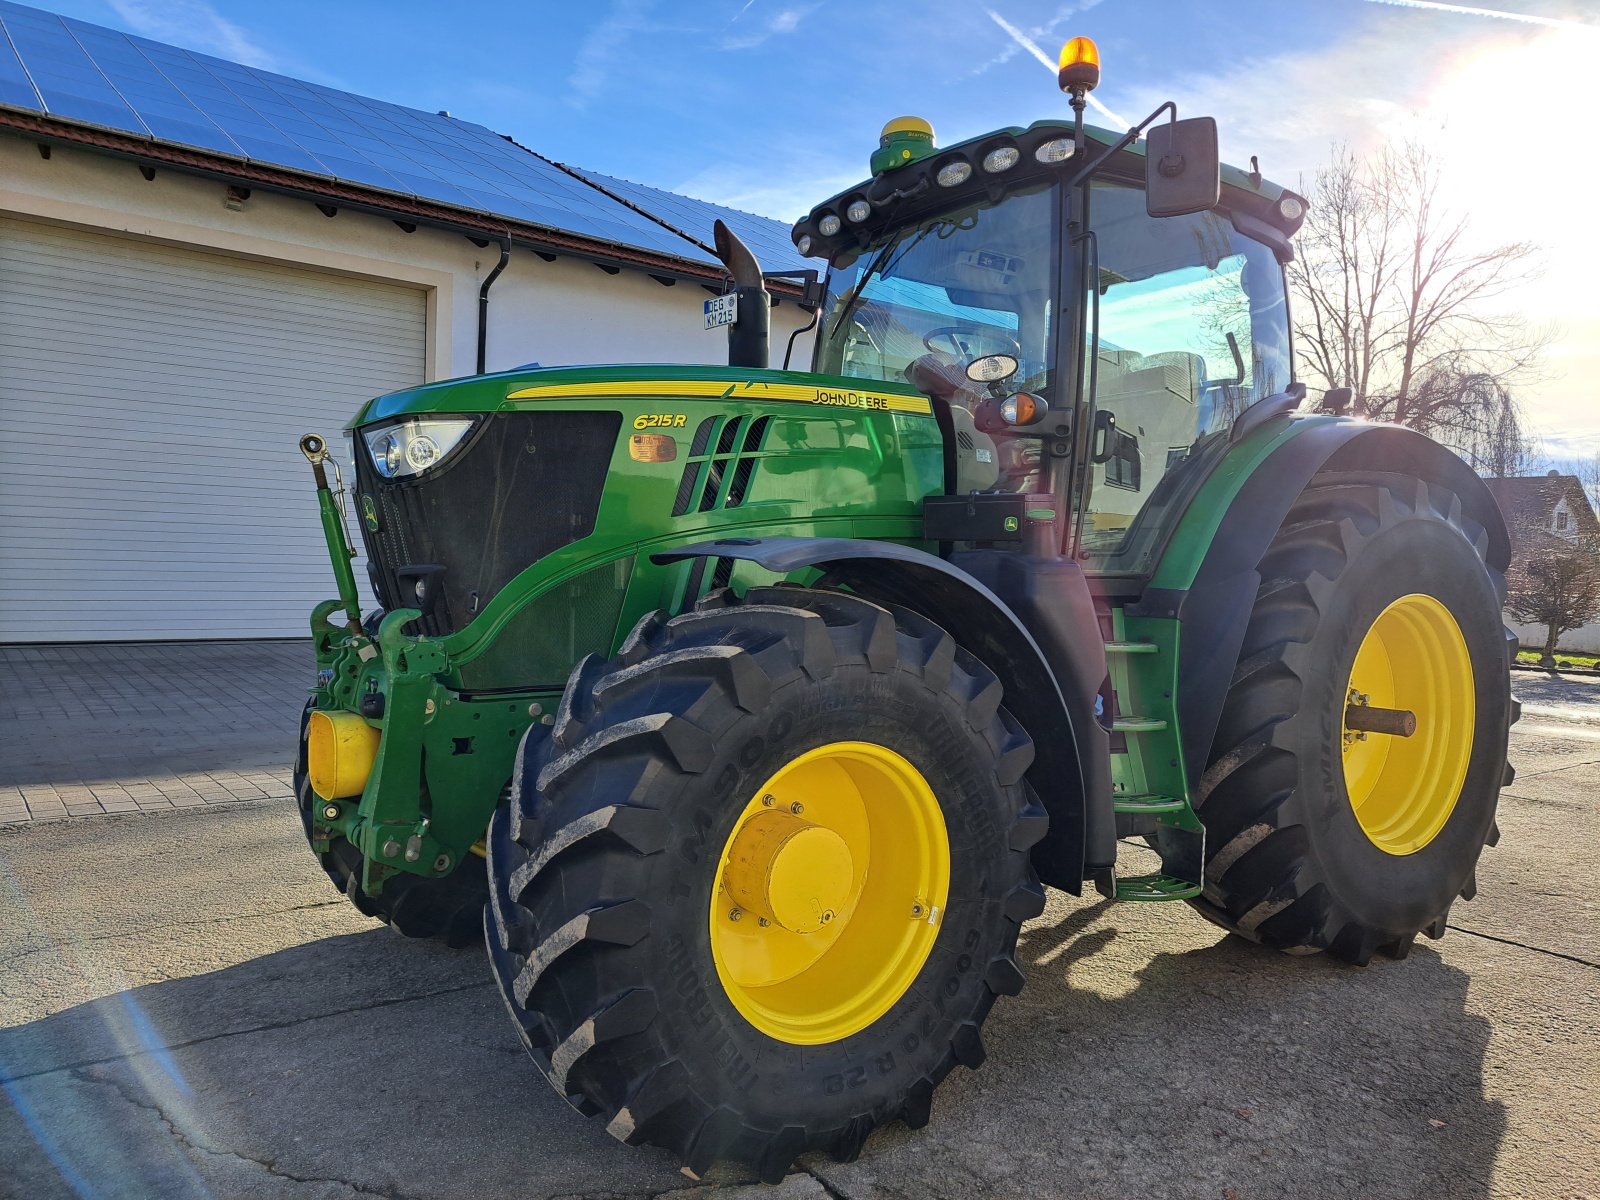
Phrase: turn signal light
{"type": "Point", "coordinates": [1080, 66]}
{"type": "Point", "coordinates": [1022, 409]}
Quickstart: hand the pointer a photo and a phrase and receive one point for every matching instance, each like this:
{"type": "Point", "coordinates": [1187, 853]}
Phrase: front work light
{"type": "Point", "coordinates": [954, 173]}
{"type": "Point", "coordinates": [1055, 150]}
{"type": "Point", "coordinates": [828, 225]}
{"type": "Point", "coordinates": [858, 211]}
{"type": "Point", "coordinates": [1080, 66]}
{"type": "Point", "coordinates": [412, 447]}
{"type": "Point", "coordinates": [1001, 158]}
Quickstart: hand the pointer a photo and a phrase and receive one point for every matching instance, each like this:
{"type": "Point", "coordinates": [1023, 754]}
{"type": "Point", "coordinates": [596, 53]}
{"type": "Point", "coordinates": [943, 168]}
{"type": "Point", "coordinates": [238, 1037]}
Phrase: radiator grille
{"type": "Point", "coordinates": [524, 485]}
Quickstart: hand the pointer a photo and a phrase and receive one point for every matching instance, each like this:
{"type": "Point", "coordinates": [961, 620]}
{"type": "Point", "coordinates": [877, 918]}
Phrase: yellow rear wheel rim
{"type": "Point", "coordinates": [1403, 789]}
{"type": "Point", "coordinates": [829, 893]}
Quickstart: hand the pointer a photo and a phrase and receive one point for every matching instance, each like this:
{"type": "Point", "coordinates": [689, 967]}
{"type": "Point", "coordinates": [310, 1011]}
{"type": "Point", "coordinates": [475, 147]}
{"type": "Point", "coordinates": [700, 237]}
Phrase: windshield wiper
{"type": "Point", "coordinates": [879, 263]}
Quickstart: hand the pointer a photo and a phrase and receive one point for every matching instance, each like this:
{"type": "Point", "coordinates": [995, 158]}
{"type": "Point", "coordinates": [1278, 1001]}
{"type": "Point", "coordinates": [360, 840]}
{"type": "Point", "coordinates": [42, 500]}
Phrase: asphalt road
{"type": "Point", "coordinates": [188, 1010]}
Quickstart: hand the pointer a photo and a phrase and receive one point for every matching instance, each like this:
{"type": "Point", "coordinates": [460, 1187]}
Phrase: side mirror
{"type": "Point", "coordinates": [1336, 400]}
{"type": "Point", "coordinates": [1182, 167]}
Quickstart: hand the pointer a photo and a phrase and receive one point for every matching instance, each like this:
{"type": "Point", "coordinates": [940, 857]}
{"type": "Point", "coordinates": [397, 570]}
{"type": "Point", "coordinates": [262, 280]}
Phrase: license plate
{"type": "Point", "coordinates": [722, 310]}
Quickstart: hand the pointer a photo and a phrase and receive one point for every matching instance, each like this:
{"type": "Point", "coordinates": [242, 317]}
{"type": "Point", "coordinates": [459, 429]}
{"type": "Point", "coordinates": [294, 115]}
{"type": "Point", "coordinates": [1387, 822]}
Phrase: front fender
{"type": "Point", "coordinates": [987, 628]}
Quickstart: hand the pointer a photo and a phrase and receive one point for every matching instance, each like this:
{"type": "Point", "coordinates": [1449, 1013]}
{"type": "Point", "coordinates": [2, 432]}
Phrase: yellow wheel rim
{"type": "Point", "coordinates": [829, 893]}
{"type": "Point", "coordinates": [1413, 660]}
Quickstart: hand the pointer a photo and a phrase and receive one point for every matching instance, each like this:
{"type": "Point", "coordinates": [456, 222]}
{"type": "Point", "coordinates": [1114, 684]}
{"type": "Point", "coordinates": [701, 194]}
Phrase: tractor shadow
{"type": "Point", "coordinates": [1220, 1071]}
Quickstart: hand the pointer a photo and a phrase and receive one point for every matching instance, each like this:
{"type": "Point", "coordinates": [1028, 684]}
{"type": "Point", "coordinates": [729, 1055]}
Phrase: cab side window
{"type": "Point", "coordinates": [1193, 330]}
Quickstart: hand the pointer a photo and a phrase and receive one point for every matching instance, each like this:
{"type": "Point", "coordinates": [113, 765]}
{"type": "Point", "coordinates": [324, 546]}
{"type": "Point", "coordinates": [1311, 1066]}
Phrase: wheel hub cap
{"type": "Point", "coordinates": [1412, 672]}
{"type": "Point", "coordinates": [829, 892]}
{"type": "Point", "coordinates": [789, 870]}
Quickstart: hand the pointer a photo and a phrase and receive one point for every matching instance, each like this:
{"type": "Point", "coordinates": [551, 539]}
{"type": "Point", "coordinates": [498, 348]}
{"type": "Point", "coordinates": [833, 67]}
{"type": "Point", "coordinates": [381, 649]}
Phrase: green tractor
{"type": "Point", "coordinates": [746, 711]}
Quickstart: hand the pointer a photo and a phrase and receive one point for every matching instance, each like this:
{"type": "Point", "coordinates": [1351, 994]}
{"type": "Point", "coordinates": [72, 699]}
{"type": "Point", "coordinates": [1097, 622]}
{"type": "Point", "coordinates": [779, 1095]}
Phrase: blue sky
{"type": "Point", "coordinates": [770, 105]}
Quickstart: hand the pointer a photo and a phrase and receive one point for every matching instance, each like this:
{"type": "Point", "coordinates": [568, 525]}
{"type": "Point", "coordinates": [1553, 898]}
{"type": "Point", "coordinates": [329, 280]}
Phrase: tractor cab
{"type": "Point", "coordinates": [1079, 343]}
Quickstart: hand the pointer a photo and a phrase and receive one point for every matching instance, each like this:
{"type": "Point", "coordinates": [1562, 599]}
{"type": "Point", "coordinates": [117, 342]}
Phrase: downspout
{"type": "Point", "coordinates": [483, 302]}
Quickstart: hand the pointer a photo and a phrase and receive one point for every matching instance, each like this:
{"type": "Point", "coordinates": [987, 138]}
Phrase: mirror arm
{"type": "Point", "coordinates": [1122, 143]}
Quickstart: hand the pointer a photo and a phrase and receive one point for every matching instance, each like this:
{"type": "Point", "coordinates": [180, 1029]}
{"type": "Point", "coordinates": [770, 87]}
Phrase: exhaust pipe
{"type": "Point", "coordinates": [751, 331]}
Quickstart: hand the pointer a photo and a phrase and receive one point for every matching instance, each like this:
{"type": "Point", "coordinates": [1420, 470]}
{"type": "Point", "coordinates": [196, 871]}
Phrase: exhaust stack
{"type": "Point", "coordinates": [750, 333]}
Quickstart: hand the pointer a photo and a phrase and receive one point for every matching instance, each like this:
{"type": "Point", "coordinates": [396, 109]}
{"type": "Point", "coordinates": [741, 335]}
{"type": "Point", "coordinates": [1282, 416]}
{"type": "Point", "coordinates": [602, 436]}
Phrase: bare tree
{"type": "Point", "coordinates": [1554, 582]}
{"type": "Point", "coordinates": [1396, 300]}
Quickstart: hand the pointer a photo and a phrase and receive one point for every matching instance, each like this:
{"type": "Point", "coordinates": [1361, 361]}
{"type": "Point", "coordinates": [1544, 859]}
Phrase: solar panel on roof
{"type": "Point", "coordinates": [72, 69]}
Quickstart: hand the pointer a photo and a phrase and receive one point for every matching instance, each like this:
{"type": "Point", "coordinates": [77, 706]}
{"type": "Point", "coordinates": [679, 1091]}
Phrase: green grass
{"type": "Point", "coordinates": [1584, 661]}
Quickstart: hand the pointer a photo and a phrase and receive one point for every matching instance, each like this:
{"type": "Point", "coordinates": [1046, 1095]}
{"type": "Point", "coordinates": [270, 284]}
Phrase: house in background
{"type": "Point", "coordinates": [1538, 508]}
{"type": "Point", "coordinates": [201, 261]}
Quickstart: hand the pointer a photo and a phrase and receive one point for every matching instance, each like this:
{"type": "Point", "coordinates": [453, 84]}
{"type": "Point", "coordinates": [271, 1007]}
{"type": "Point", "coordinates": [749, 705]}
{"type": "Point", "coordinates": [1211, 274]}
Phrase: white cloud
{"type": "Point", "coordinates": [784, 21]}
{"type": "Point", "coordinates": [781, 190]}
{"type": "Point", "coordinates": [592, 65]}
{"type": "Point", "coordinates": [195, 25]}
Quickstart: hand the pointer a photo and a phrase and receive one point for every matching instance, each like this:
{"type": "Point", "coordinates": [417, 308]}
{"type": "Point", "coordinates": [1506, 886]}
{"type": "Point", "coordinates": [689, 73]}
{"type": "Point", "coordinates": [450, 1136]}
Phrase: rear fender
{"type": "Point", "coordinates": [1214, 606]}
{"type": "Point", "coordinates": [986, 627]}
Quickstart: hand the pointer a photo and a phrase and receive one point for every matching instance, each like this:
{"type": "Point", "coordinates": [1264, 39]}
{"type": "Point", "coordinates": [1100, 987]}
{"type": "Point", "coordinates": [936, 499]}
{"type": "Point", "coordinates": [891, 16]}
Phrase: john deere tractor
{"type": "Point", "coordinates": [745, 711]}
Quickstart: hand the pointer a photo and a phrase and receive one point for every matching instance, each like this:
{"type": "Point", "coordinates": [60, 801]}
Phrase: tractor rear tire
{"type": "Point", "coordinates": [448, 909]}
{"type": "Point", "coordinates": [610, 927]}
{"type": "Point", "coordinates": [1387, 567]}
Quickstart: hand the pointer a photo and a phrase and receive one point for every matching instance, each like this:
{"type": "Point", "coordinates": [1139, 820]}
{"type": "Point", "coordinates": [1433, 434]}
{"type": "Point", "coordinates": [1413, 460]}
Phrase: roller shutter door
{"type": "Point", "coordinates": [151, 399]}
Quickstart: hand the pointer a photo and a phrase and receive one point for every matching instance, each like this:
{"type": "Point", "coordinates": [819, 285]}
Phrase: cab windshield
{"type": "Point", "coordinates": [924, 304]}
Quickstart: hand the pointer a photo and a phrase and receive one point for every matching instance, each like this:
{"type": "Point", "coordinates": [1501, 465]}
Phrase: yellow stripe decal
{"type": "Point", "coordinates": [723, 390]}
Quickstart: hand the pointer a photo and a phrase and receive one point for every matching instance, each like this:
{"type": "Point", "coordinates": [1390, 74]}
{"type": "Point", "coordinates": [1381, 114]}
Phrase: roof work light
{"type": "Point", "coordinates": [1080, 65]}
{"type": "Point", "coordinates": [903, 140]}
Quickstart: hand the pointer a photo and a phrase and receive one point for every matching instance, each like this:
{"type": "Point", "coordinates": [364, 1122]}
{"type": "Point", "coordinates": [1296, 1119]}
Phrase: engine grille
{"type": "Point", "coordinates": [524, 485]}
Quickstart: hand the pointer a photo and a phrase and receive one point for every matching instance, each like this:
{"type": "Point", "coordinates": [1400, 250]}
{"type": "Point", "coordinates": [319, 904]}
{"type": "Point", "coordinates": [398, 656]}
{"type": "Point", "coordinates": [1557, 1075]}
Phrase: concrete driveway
{"type": "Point", "coordinates": [187, 1009]}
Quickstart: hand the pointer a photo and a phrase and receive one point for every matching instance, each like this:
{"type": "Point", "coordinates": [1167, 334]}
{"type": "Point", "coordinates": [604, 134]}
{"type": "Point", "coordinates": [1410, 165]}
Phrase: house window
{"type": "Point", "coordinates": [1561, 522]}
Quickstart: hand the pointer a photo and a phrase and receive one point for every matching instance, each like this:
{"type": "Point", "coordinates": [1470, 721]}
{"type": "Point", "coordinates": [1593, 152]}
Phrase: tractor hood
{"type": "Point", "coordinates": [524, 386]}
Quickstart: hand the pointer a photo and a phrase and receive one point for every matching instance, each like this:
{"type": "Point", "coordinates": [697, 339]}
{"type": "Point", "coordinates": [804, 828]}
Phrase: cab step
{"type": "Point", "coordinates": [1132, 724]}
{"type": "Point", "coordinates": [1155, 887]}
{"type": "Point", "coordinates": [1132, 648]}
{"type": "Point", "coordinates": [1145, 803]}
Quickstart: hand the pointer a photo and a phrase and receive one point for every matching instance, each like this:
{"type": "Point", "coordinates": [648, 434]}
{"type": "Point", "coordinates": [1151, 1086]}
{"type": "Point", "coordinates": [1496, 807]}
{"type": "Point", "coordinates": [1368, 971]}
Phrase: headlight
{"type": "Point", "coordinates": [413, 446]}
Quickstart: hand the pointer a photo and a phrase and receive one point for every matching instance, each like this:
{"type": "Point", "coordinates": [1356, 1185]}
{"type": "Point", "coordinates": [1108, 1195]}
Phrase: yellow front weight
{"type": "Point", "coordinates": [340, 750]}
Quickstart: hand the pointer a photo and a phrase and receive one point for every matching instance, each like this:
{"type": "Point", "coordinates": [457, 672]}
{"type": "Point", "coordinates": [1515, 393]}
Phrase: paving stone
{"type": "Point", "coordinates": [132, 726]}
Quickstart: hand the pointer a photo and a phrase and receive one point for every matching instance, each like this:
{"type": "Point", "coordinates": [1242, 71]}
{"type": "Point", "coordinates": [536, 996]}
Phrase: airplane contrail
{"type": "Point", "coordinates": [1467, 10]}
{"type": "Point", "coordinates": [1032, 47]}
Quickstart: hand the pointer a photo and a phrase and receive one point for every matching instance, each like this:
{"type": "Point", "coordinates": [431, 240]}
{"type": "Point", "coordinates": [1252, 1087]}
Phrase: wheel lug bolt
{"type": "Point", "coordinates": [736, 914]}
{"type": "Point", "coordinates": [916, 910]}
{"type": "Point", "coordinates": [769, 801]}
{"type": "Point", "coordinates": [763, 922]}
{"type": "Point", "coordinates": [797, 808]}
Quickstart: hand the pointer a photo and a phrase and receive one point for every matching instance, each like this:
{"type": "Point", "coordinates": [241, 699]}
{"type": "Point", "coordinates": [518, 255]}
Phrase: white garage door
{"type": "Point", "coordinates": [151, 401]}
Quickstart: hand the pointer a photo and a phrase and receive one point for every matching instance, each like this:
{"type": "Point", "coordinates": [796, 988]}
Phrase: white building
{"type": "Point", "coordinates": [199, 262]}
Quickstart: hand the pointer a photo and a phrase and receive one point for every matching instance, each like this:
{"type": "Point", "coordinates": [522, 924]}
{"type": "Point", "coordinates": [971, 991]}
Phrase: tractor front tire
{"type": "Point", "coordinates": [1321, 835]}
{"type": "Point", "coordinates": [760, 884]}
{"type": "Point", "coordinates": [448, 908]}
